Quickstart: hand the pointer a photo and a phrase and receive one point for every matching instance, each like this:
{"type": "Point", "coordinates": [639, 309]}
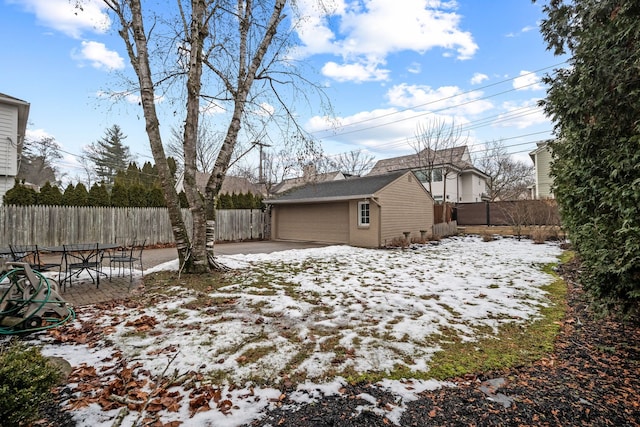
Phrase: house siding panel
{"type": "Point", "coordinates": [543, 178]}
{"type": "Point", "coordinates": [367, 237]}
{"type": "Point", "coordinates": [8, 147]}
{"type": "Point", "coordinates": [327, 222]}
{"type": "Point", "coordinates": [8, 140]}
{"type": "Point", "coordinates": [405, 207]}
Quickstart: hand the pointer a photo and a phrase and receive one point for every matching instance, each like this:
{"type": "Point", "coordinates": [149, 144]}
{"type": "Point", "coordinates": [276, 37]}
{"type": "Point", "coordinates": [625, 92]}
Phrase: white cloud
{"type": "Point", "coordinates": [99, 56]}
{"type": "Point", "coordinates": [523, 30]}
{"type": "Point", "coordinates": [265, 110]}
{"type": "Point", "coordinates": [521, 115]}
{"type": "Point", "coordinates": [387, 131]}
{"type": "Point", "coordinates": [382, 129]}
{"type": "Point", "coordinates": [211, 108]}
{"type": "Point", "coordinates": [356, 73]}
{"type": "Point", "coordinates": [37, 134]}
{"type": "Point", "coordinates": [527, 81]}
{"type": "Point", "coordinates": [367, 33]}
{"type": "Point", "coordinates": [449, 98]}
{"type": "Point", "coordinates": [62, 15]}
{"type": "Point", "coordinates": [415, 68]}
{"type": "Point", "coordinates": [478, 78]}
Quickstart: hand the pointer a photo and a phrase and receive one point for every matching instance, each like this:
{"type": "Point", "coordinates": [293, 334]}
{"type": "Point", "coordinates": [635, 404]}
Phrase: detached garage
{"type": "Point", "coordinates": [370, 211]}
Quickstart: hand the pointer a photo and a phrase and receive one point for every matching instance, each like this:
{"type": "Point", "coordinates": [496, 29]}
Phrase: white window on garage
{"type": "Point", "coordinates": [363, 214]}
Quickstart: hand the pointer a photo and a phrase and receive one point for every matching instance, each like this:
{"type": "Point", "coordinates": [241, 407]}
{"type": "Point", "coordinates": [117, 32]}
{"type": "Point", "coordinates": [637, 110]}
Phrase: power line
{"type": "Point", "coordinates": [468, 126]}
{"type": "Point", "coordinates": [437, 101]}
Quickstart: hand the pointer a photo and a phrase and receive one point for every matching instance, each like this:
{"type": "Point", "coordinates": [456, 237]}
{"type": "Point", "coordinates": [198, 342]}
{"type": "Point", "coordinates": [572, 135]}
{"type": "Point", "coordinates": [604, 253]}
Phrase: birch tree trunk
{"type": "Point", "coordinates": [246, 31]}
{"type": "Point", "coordinates": [247, 69]}
{"type": "Point", "coordinates": [196, 30]}
{"type": "Point", "coordinates": [133, 34]}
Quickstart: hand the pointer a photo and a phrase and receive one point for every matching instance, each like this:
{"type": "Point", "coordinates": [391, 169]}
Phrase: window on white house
{"type": "Point", "coordinates": [363, 214]}
{"type": "Point", "coordinates": [422, 175]}
{"type": "Point", "coordinates": [436, 175]}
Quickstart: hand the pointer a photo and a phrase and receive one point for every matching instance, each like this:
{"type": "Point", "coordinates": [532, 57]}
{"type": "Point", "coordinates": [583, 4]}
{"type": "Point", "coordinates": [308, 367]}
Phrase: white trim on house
{"type": "Point", "coordinates": [364, 214]}
{"type": "Point", "coordinates": [14, 114]}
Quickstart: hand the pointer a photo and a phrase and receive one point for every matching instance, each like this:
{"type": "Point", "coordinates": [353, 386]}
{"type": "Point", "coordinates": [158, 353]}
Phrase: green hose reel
{"type": "Point", "coordinates": [29, 301]}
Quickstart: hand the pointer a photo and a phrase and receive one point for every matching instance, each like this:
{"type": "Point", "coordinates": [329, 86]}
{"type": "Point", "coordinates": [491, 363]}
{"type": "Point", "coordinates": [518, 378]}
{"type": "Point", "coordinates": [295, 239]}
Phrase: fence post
{"type": "Point", "coordinates": [488, 213]}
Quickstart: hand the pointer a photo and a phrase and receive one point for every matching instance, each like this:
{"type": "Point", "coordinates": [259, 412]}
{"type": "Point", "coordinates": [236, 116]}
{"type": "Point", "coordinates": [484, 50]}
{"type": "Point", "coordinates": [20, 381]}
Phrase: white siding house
{"type": "Point", "coordinates": [465, 182]}
{"type": "Point", "coordinates": [13, 125]}
{"type": "Point", "coordinates": [541, 158]}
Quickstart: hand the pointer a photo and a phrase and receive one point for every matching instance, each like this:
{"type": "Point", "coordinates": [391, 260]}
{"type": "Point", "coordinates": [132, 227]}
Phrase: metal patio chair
{"type": "Point", "coordinates": [31, 255]}
{"type": "Point", "coordinates": [83, 257]}
{"type": "Point", "coordinates": [127, 255]}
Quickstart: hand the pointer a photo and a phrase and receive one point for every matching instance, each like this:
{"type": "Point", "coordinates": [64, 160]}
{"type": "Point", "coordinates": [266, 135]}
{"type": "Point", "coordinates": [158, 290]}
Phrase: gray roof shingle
{"type": "Point", "coordinates": [343, 189]}
{"type": "Point", "coordinates": [449, 156]}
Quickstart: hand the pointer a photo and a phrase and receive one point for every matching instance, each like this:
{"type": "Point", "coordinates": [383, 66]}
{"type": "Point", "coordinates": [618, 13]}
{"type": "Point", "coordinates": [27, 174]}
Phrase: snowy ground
{"type": "Point", "coordinates": [310, 316]}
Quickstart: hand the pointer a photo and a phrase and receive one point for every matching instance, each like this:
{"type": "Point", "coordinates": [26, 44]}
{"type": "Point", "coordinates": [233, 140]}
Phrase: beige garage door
{"type": "Point", "coordinates": [327, 222]}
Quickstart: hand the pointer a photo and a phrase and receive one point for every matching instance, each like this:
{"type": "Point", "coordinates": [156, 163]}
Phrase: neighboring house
{"type": "Point", "coordinates": [541, 158]}
{"type": "Point", "coordinates": [465, 182]}
{"type": "Point", "coordinates": [309, 176]}
{"type": "Point", "coordinates": [14, 114]}
{"type": "Point", "coordinates": [371, 211]}
{"type": "Point", "coordinates": [230, 184]}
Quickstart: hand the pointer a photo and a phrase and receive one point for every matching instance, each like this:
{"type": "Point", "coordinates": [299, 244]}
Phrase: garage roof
{"type": "Point", "coordinates": [345, 189]}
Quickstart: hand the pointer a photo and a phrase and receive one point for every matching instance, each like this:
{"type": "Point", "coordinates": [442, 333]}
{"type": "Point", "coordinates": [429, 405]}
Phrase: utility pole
{"type": "Point", "coordinates": [261, 145]}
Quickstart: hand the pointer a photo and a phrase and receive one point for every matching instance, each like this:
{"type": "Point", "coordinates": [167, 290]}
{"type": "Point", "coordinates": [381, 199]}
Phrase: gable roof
{"type": "Point", "coordinates": [290, 183]}
{"type": "Point", "coordinates": [540, 147]}
{"type": "Point", "coordinates": [458, 157]}
{"type": "Point", "coordinates": [344, 189]}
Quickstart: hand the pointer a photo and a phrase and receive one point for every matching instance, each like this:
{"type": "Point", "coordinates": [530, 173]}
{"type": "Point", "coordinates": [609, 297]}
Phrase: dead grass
{"type": "Point", "coordinates": [513, 344]}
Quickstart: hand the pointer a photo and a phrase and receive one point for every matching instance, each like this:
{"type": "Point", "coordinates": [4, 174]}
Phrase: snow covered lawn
{"type": "Point", "coordinates": [307, 317]}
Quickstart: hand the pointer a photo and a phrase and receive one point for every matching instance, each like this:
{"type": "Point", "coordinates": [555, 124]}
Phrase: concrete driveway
{"type": "Point", "coordinates": [153, 257]}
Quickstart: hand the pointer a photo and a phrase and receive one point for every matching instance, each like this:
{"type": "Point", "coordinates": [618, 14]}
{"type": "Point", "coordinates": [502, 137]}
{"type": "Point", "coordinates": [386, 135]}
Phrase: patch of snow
{"type": "Point", "coordinates": [323, 309]}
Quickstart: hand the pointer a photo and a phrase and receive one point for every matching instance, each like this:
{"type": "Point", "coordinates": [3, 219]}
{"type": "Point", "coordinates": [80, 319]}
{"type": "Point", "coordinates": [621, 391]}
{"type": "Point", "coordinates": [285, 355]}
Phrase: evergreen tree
{"type": "Point", "coordinates": [119, 195]}
{"type": "Point", "coordinates": [149, 175]}
{"type": "Point", "coordinates": [99, 195]}
{"type": "Point", "coordinates": [81, 195]}
{"type": "Point", "coordinates": [133, 175]}
{"type": "Point", "coordinates": [184, 203]}
{"type": "Point", "coordinates": [20, 195]}
{"type": "Point", "coordinates": [49, 195]}
{"type": "Point", "coordinates": [155, 198]}
{"type": "Point", "coordinates": [137, 196]}
{"type": "Point", "coordinates": [235, 201]}
{"type": "Point", "coordinates": [173, 166]}
{"type": "Point", "coordinates": [109, 154]}
{"type": "Point", "coordinates": [595, 103]}
{"type": "Point", "coordinates": [68, 197]}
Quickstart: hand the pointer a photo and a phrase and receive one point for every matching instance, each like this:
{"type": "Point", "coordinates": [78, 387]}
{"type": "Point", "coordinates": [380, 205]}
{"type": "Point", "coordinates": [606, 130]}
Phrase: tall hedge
{"type": "Point", "coordinates": [595, 102]}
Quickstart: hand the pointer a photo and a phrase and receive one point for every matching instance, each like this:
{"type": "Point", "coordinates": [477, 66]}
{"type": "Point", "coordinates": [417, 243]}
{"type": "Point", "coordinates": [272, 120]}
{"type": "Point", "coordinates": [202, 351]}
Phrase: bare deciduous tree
{"type": "Point", "coordinates": [36, 162]}
{"type": "Point", "coordinates": [207, 147]}
{"type": "Point", "coordinates": [354, 162]}
{"type": "Point", "coordinates": [434, 144]}
{"type": "Point", "coordinates": [233, 53]}
{"type": "Point", "coordinates": [509, 178]}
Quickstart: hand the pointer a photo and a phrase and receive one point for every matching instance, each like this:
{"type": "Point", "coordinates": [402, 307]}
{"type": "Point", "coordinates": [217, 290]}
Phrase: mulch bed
{"type": "Point", "coordinates": [592, 379]}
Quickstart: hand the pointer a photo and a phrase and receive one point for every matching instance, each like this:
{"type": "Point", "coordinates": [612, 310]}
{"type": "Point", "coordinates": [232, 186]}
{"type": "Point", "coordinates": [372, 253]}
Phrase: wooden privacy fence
{"type": "Point", "coordinates": [240, 224]}
{"type": "Point", "coordinates": [519, 212]}
{"type": "Point", "coordinates": [57, 225]}
{"type": "Point", "coordinates": [437, 213]}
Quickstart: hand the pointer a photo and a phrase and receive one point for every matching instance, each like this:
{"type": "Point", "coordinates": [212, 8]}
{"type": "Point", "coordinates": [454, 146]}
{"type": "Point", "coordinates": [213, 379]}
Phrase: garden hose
{"type": "Point", "coordinates": [30, 302]}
